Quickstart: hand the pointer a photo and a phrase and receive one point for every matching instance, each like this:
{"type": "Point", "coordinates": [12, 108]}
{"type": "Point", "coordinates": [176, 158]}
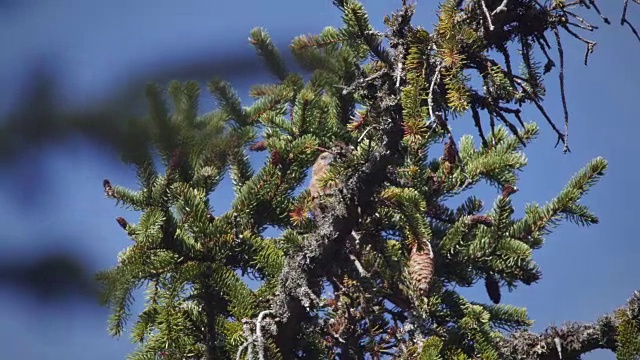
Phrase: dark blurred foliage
{"type": "Point", "coordinates": [38, 122]}
{"type": "Point", "coordinates": [56, 277]}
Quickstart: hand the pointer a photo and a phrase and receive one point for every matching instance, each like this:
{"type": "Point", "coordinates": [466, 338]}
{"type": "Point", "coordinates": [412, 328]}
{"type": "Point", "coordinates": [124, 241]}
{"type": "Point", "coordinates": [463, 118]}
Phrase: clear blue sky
{"type": "Point", "coordinates": [96, 45]}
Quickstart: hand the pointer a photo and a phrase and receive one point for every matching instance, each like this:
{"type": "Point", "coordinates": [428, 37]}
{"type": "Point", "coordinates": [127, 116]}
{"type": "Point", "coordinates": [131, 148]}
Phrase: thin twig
{"type": "Point", "coordinates": [581, 26]}
{"type": "Point", "coordinates": [502, 7]}
{"type": "Point", "coordinates": [577, 2]}
{"type": "Point", "coordinates": [435, 79]}
{"type": "Point", "coordinates": [432, 115]}
{"type": "Point", "coordinates": [249, 343]}
{"type": "Point", "coordinates": [543, 37]}
{"type": "Point", "coordinates": [604, 18]}
{"type": "Point", "coordinates": [349, 89]}
{"type": "Point", "coordinates": [361, 270]}
{"type": "Point", "coordinates": [259, 336]}
{"type": "Point", "coordinates": [525, 47]}
{"type": "Point", "coordinates": [359, 266]}
{"type": "Point", "coordinates": [507, 60]}
{"type": "Point", "coordinates": [477, 122]}
{"type": "Point", "coordinates": [624, 12]}
{"type": "Point", "coordinates": [562, 92]}
{"type": "Point", "coordinates": [365, 132]}
{"type": "Point", "coordinates": [590, 44]}
{"type": "Point", "coordinates": [515, 112]}
{"type": "Point", "coordinates": [550, 63]}
{"type": "Point", "coordinates": [512, 128]}
{"type": "Point", "coordinates": [585, 25]}
{"type": "Point", "coordinates": [487, 14]}
{"type": "Point", "coordinates": [257, 339]}
{"type": "Point", "coordinates": [492, 126]}
{"type": "Point", "coordinates": [542, 111]}
{"type": "Point", "coordinates": [623, 19]}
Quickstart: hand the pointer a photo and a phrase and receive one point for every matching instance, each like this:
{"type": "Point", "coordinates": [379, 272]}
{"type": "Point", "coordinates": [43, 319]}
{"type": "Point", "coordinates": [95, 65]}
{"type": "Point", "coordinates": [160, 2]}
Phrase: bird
{"type": "Point", "coordinates": [320, 167]}
{"type": "Point", "coordinates": [318, 170]}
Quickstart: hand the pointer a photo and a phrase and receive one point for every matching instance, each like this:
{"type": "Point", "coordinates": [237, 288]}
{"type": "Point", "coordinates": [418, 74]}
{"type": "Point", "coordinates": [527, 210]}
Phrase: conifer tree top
{"type": "Point", "coordinates": [369, 258]}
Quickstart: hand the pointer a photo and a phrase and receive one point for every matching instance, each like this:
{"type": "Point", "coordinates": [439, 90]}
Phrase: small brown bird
{"type": "Point", "coordinates": [317, 172]}
{"type": "Point", "coordinates": [319, 168]}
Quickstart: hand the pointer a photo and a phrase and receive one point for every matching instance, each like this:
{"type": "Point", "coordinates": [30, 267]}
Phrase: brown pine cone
{"type": "Point", "coordinates": [450, 152]}
{"type": "Point", "coordinates": [421, 268]}
{"type": "Point", "coordinates": [508, 190]}
{"type": "Point", "coordinates": [259, 146]}
{"type": "Point", "coordinates": [481, 219]}
{"type": "Point", "coordinates": [174, 162]}
{"type": "Point", "coordinates": [276, 158]}
{"type": "Point", "coordinates": [122, 222]}
{"type": "Point", "coordinates": [493, 288]}
{"type": "Point", "coordinates": [108, 189]}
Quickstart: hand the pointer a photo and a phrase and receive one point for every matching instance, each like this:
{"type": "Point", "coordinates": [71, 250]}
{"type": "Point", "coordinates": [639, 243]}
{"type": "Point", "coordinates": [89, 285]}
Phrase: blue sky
{"type": "Point", "coordinates": [96, 45]}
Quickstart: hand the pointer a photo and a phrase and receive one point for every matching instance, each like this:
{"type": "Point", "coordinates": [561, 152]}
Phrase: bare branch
{"type": "Point", "coordinates": [562, 91]}
{"type": "Point", "coordinates": [502, 7]}
{"type": "Point", "coordinates": [623, 18]}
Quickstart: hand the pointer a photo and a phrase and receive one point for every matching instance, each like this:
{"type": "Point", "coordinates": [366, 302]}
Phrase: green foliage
{"type": "Point", "coordinates": [628, 336]}
{"type": "Point", "coordinates": [431, 349]}
{"type": "Point", "coordinates": [194, 265]}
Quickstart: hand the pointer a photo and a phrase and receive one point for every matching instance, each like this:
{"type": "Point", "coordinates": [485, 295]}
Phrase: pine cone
{"type": "Point", "coordinates": [259, 146]}
{"type": "Point", "coordinates": [450, 152]}
{"type": "Point", "coordinates": [276, 158]}
{"type": "Point", "coordinates": [481, 219]}
{"type": "Point", "coordinates": [108, 189]}
{"type": "Point", "coordinates": [122, 222]}
{"type": "Point", "coordinates": [174, 162]}
{"type": "Point", "coordinates": [421, 268]}
{"type": "Point", "coordinates": [493, 288]}
{"type": "Point", "coordinates": [508, 190]}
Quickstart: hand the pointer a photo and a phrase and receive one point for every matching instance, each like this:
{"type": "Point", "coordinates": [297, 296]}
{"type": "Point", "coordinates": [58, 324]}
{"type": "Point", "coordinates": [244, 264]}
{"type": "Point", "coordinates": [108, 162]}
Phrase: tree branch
{"type": "Point", "coordinates": [575, 339]}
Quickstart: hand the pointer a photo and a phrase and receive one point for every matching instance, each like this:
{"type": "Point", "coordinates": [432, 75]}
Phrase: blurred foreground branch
{"type": "Point", "coordinates": [53, 277]}
{"type": "Point", "coordinates": [38, 120]}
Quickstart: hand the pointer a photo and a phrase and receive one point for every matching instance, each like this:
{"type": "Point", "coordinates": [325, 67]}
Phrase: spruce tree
{"type": "Point", "coordinates": [368, 268]}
